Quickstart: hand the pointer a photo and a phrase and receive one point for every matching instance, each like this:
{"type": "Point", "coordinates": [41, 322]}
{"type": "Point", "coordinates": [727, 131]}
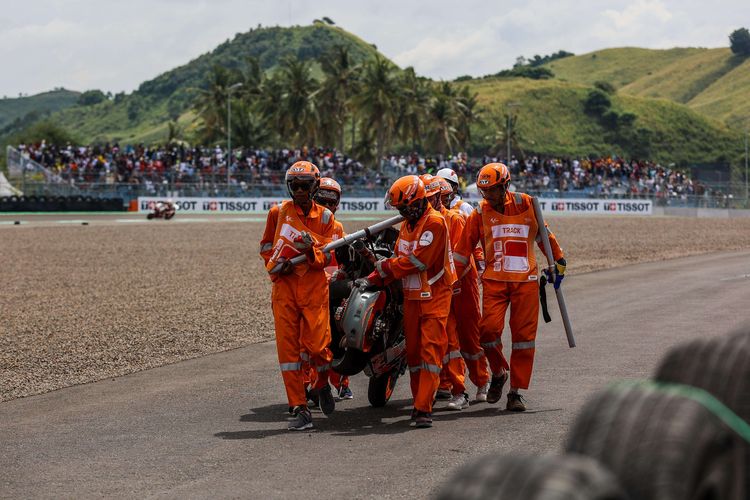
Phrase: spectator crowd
{"type": "Point", "coordinates": [204, 167]}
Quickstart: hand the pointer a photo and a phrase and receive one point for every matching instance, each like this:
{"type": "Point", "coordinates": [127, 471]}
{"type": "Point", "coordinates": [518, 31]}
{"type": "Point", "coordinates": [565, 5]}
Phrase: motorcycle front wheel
{"type": "Point", "coordinates": [380, 389]}
{"type": "Point", "coordinates": [150, 216]}
{"type": "Point", "coordinates": [351, 363]}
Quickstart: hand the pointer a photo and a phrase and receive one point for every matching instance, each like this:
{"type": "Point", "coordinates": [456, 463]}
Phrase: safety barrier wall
{"type": "Point", "coordinates": [60, 204]}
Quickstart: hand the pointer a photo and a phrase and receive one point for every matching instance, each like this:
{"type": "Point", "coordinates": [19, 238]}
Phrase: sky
{"type": "Point", "coordinates": [115, 46]}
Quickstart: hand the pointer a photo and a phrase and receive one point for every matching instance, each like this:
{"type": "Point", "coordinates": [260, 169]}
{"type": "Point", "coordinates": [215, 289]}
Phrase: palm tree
{"type": "Point", "coordinates": [413, 105]}
{"type": "Point", "coordinates": [270, 107]}
{"type": "Point", "coordinates": [299, 120]}
{"type": "Point", "coordinates": [211, 104]}
{"type": "Point", "coordinates": [335, 94]}
{"type": "Point", "coordinates": [377, 100]}
{"type": "Point", "coordinates": [469, 114]}
{"type": "Point", "coordinates": [443, 117]}
{"type": "Point", "coordinates": [248, 126]}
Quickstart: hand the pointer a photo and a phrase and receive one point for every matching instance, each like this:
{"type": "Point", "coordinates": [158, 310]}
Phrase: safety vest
{"type": "Point", "coordinates": [288, 227]}
{"type": "Point", "coordinates": [509, 243]}
{"type": "Point", "coordinates": [418, 286]}
{"type": "Point", "coordinates": [448, 215]}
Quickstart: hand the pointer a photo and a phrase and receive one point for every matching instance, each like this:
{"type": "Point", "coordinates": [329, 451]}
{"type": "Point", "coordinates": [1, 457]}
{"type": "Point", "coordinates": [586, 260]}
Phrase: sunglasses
{"type": "Point", "coordinates": [303, 185]}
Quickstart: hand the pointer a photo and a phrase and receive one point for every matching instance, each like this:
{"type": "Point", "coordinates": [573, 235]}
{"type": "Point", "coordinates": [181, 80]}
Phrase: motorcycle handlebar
{"type": "Point", "coordinates": [349, 238]}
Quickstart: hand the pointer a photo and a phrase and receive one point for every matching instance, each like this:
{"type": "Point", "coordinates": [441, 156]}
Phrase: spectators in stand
{"type": "Point", "coordinates": [182, 165]}
{"type": "Point", "coordinates": [202, 167]}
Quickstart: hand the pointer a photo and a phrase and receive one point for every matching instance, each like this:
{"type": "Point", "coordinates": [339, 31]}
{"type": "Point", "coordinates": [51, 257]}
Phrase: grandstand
{"type": "Point", "coordinates": [129, 172]}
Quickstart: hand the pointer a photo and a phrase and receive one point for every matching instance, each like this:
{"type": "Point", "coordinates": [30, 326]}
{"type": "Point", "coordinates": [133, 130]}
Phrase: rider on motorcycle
{"type": "Point", "coordinates": [424, 263]}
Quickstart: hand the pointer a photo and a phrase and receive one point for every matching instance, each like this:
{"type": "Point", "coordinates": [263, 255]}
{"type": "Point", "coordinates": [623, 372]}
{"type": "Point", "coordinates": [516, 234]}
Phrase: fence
{"type": "Point", "coordinates": [168, 190]}
{"type": "Point", "coordinates": [23, 168]}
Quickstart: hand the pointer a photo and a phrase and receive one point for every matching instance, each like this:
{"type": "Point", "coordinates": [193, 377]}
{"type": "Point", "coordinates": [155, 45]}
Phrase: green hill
{"type": "Point", "coordinates": [552, 120]}
{"type": "Point", "coordinates": [16, 109]}
{"type": "Point", "coordinates": [679, 105]}
{"type": "Point", "coordinates": [712, 82]}
{"type": "Point", "coordinates": [143, 116]}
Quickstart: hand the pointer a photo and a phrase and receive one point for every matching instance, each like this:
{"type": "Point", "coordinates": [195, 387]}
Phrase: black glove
{"type": "Point", "coordinates": [286, 267]}
{"type": "Point", "coordinates": [364, 284]}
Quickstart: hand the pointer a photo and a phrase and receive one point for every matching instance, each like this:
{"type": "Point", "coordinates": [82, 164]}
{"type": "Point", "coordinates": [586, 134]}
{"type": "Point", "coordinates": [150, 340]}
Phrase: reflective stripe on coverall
{"type": "Point", "coordinates": [300, 299]}
{"type": "Point", "coordinates": [423, 261]}
{"type": "Point", "coordinates": [510, 278]}
{"type": "Point", "coordinates": [452, 376]}
{"type": "Point", "coordinates": [335, 378]}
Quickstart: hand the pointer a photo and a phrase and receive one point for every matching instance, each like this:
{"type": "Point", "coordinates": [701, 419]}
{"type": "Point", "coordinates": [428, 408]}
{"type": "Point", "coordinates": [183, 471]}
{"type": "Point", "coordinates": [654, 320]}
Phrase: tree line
{"type": "Point", "coordinates": [360, 108]}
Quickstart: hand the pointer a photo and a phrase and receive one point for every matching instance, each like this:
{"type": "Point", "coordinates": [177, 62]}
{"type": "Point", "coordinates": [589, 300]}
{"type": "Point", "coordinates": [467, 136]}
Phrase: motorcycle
{"type": "Point", "coordinates": [162, 210]}
{"type": "Point", "coordinates": [367, 324]}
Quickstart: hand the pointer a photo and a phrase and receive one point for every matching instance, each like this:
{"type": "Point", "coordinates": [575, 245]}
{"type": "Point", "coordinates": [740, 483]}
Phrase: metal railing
{"type": "Point", "coordinates": [128, 192]}
{"type": "Point", "coordinates": [23, 169]}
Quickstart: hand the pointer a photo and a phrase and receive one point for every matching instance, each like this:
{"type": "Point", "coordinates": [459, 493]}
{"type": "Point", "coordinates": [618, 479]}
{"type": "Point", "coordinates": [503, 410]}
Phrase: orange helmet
{"type": "Point", "coordinates": [493, 174]}
{"type": "Point", "coordinates": [329, 193]}
{"type": "Point", "coordinates": [406, 191]}
{"type": "Point", "coordinates": [303, 174]}
{"type": "Point", "coordinates": [431, 184]}
{"type": "Point", "coordinates": [408, 196]}
{"type": "Point", "coordinates": [445, 186]}
{"type": "Point", "coordinates": [328, 184]}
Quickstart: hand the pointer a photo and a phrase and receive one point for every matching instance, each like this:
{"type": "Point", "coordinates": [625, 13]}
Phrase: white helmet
{"type": "Point", "coordinates": [448, 174]}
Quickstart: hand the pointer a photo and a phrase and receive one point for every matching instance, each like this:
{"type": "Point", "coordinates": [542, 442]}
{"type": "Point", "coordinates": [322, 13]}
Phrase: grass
{"type": "Point", "coordinates": [618, 66]}
{"type": "Point", "coordinates": [713, 82]}
{"type": "Point", "coordinates": [551, 119]}
{"type": "Point", "coordinates": [46, 102]}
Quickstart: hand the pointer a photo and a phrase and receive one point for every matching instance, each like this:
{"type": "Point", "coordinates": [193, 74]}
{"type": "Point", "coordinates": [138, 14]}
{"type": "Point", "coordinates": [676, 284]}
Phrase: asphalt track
{"type": "Point", "coordinates": [215, 427]}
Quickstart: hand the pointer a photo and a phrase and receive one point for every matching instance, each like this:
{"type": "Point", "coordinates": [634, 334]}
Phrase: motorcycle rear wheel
{"type": "Point", "coordinates": [150, 216]}
{"type": "Point", "coordinates": [380, 389]}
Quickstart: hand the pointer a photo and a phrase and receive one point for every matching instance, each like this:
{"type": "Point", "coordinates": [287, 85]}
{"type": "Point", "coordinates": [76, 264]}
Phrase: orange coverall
{"type": "Point", "coordinates": [424, 263]}
{"type": "Point", "coordinates": [463, 321]}
{"type": "Point", "coordinates": [452, 376]}
{"type": "Point", "coordinates": [334, 377]}
{"type": "Point", "coordinates": [300, 299]}
{"type": "Point", "coordinates": [510, 279]}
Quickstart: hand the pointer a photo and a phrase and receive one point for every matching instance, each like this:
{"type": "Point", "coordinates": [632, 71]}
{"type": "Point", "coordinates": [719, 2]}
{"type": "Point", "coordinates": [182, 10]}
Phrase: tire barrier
{"type": "Point", "coordinates": [60, 204]}
{"type": "Point", "coordinates": [684, 435]}
{"type": "Point", "coordinates": [525, 477]}
{"type": "Point", "coordinates": [660, 444]}
{"type": "Point", "coordinates": [720, 366]}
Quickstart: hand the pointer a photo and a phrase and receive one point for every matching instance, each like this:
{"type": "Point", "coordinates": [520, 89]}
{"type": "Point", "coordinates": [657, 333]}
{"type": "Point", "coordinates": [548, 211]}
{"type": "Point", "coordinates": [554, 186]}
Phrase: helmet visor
{"type": "Point", "coordinates": [327, 198]}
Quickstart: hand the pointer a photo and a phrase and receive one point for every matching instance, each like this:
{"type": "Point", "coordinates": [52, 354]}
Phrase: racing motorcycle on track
{"type": "Point", "coordinates": [367, 324]}
{"type": "Point", "coordinates": [162, 210]}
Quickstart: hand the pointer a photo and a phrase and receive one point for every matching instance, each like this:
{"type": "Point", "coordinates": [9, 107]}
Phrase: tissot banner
{"type": "Point", "coordinates": [551, 206]}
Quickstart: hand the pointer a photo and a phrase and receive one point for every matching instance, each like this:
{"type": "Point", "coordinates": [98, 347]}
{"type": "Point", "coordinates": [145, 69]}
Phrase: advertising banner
{"type": "Point", "coordinates": [588, 206]}
{"type": "Point", "coordinates": [251, 205]}
{"type": "Point", "coordinates": [551, 206]}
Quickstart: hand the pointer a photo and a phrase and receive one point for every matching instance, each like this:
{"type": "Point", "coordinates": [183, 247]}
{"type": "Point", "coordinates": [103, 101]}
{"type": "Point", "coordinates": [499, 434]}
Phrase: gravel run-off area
{"type": "Point", "coordinates": [84, 303]}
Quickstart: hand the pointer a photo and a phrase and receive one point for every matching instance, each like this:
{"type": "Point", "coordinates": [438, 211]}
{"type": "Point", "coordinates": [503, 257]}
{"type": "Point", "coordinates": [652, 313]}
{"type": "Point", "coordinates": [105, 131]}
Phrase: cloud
{"type": "Point", "coordinates": [115, 46]}
{"type": "Point", "coordinates": [449, 55]}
